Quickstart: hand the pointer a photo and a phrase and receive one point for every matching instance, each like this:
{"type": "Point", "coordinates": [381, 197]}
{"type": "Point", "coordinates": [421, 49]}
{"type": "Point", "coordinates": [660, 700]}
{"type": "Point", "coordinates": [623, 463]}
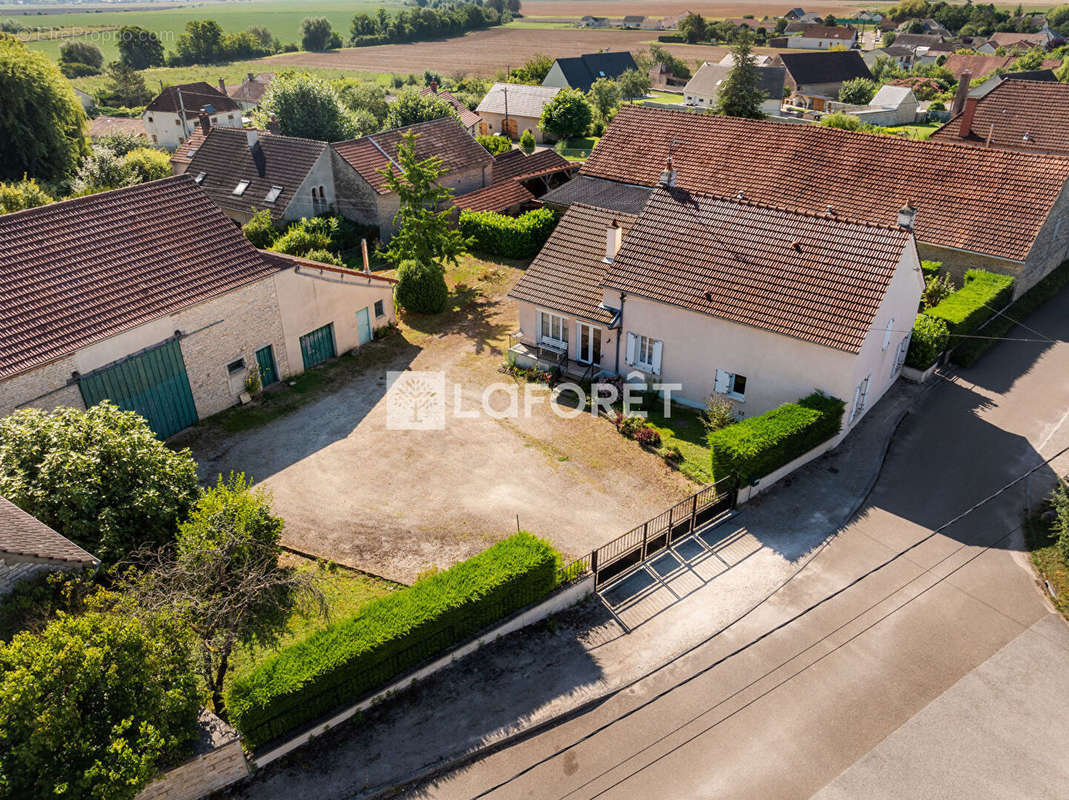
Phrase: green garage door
{"type": "Point", "coordinates": [317, 346]}
{"type": "Point", "coordinates": [152, 383]}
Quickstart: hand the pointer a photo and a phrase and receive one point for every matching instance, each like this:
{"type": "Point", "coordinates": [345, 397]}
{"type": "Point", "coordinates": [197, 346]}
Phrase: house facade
{"type": "Point", "coordinates": [172, 115]}
{"type": "Point", "coordinates": [703, 90]}
{"type": "Point", "coordinates": [823, 37]}
{"type": "Point", "coordinates": [509, 109]}
{"type": "Point", "coordinates": [169, 307]}
{"type": "Point", "coordinates": [814, 79]}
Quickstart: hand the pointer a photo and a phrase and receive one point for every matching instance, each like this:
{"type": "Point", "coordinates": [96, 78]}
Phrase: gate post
{"type": "Point", "coordinates": [645, 533]}
{"type": "Point", "coordinates": [594, 566]}
{"type": "Point", "coordinates": [693, 512]}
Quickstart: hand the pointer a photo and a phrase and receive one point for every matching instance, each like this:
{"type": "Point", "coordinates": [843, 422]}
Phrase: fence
{"type": "Point", "coordinates": [575, 152]}
{"type": "Point", "coordinates": [613, 559]}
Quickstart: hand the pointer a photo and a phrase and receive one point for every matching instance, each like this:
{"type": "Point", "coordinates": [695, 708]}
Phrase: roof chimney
{"type": "Point", "coordinates": [434, 87]}
{"type": "Point", "coordinates": [614, 237]}
{"type": "Point", "coordinates": [907, 215]}
{"type": "Point", "coordinates": [222, 86]}
{"type": "Point", "coordinates": [251, 77]}
{"type": "Point", "coordinates": [965, 124]}
{"type": "Point", "coordinates": [205, 121]}
{"type": "Point", "coordinates": [668, 177]}
{"type": "Point", "coordinates": [962, 93]}
{"type": "Point", "coordinates": [253, 138]}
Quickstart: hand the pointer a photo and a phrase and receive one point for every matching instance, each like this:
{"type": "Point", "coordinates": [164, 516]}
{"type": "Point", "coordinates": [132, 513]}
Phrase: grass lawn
{"type": "Point", "coordinates": [1047, 559]}
{"type": "Point", "coordinates": [663, 97]}
{"type": "Point", "coordinates": [345, 592]}
{"type": "Point", "coordinates": [684, 429]}
{"type": "Point", "coordinates": [916, 131]}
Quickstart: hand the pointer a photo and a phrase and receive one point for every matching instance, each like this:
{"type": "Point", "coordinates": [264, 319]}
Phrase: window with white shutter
{"type": "Point", "coordinates": [646, 352]}
{"type": "Point", "coordinates": [887, 333]}
{"type": "Point", "coordinates": [729, 383]}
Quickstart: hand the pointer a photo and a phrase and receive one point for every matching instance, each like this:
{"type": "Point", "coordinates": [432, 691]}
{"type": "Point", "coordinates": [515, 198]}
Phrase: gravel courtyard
{"type": "Point", "coordinates": [398, 503]}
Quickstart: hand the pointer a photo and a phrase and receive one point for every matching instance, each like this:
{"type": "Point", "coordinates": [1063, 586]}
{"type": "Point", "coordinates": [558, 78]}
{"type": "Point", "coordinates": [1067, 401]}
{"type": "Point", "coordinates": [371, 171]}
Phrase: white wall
{"type": "Point", "coordinates": [555, 77]}
{"type": "Point", "coordinates": [321, 174]}
{"type": "Point", "coordinates": [165, 128]}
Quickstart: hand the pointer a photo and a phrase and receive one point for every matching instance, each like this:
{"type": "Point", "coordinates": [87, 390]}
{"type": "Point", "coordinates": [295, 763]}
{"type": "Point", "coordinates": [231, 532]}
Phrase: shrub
{"type": "Point", "coordinates": [260, 230]}
{"type": "Point", "coordinates": [74, 69]}
{"type": "Point", "coordinates": [509, 237]}
{"type": "Point", "coordinates": [148, 164]}
{"type": "Point", "coordinates": [527, 141]}
{"type": "Point", "coordinates": [842, 121]}
{"type": "Point", "coordinates": [324, 256]}
{"type": "Point", "coordinates": [982, 296]}
{"type": "Point", "coordinates": [421, 287]}
{"type": "Point", "coordinates": [719, 412]}
{"type": "Point", "coordinates": [1059, 501]}
{"type": "Point", "coordinates": [628, 426]}
{"type": "Point", "coordinates": [936, 289]}
{"type": "Point", "coordinates": [19, 195]}
{"type": "Point", "coordinates": [930, 337]}
{"type": "Point", "coordinates": [757, 446]}
{"type": "Point", "coordinates": [495, 144]}
{"type": "Point", "coordinates": [858, 91]}
{"type": "Point", "coordinates": [648, 437]}
{"type": "Point", "coordinates": [931, 269]}
{"type": "Point", "coordinates": [353, 656]}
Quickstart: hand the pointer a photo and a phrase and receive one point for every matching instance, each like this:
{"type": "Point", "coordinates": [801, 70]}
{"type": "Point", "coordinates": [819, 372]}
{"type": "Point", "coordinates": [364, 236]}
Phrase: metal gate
{"type": "Point", "coordinates": [318, 346]}
{"type": "Point", "coordinates": [153, 383]}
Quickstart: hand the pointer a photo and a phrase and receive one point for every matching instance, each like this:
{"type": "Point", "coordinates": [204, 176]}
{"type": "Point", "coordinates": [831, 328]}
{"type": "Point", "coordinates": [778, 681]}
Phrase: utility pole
{"type": "Point", "coordinates": [506, 128]}
{"type": "Point", "coordinates": [182, 113]}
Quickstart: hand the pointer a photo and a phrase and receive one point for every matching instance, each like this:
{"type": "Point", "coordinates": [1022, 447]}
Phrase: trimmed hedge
{"type": "Point", "coordinates": [929, 340]}
{"type": "Point", "coordinates": [966, 353]}
{"type": "Point", "coordinates": [509, 237]}
{"type": "Point", "coordinates": [760, 445]}
{"type": "Point", "coordinates": [982, 296]}
{"type": "Point", "coordinates": [339, 664]}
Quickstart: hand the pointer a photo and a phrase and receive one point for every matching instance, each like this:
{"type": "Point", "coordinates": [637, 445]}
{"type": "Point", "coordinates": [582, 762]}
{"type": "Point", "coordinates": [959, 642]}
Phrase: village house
{"type": "Point", "coordinates": [824, 37]}
{"type": "Point", "coordinates": [760, 304]}
{"type": "Point", "coordinates": [469, 120]}
{"type": "Point", "coordinates": [891, 105]}
{"type": "Point", "coordinates": [250, 91]}
{"type": "Point", "coordinates": [362, 192]}
{"type": "Point", "coordinates": [149, 296]}
{"type": "Point", "coordinates": [633, 21]}
{"type": "Point", "coordinates": [519, 180]}
{"type": "Point", "coordinates": [512, 108]}
{"type": "Point", "coordinates": [814, 79]}
{"type": "Point", "coordinates": [29, 548]}
{"type": "Point", "coordinates": [1014, 223]}
{"type": "Point", "coordinates": [172, 115]}
{"type": "Point", "coordinates": [581, 71]}
{"type": "Point", "coordinates": [1020, 41]}
{"type": "Point", "coordinates": [703, 90]}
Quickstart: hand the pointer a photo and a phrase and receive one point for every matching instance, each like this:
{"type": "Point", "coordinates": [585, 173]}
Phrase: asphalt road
{"type": "Point", "coordinates": [872, 671]}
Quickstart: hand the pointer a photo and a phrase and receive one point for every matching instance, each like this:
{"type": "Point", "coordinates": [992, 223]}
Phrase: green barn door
{"type": "Point", "coordinates": [153, 383]}
{"type": "Point", "coordinates": [318, 346]}
{"type": "Point", "coordinates": [265, 360]}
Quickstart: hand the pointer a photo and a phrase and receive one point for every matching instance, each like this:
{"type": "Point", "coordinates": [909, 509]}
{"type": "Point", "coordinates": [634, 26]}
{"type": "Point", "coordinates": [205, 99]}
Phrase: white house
{"type": "Point", "coordinates": [703, 89]}
{"type": "Point", "coordinates": [172, 115]}
{"type": "Point", "coordinates": [824, 37]}
{"type": "Point", "coordinates": [512, 108]}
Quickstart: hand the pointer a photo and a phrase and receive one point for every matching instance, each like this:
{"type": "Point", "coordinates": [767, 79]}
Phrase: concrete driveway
{"type": "Point", "coordinates": [398, 502]}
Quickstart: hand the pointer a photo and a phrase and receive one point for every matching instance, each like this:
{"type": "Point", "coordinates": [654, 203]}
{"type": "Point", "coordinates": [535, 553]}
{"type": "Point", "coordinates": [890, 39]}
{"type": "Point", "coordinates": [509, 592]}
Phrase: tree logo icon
{"type": "Point", "coordinates": [415, 400]}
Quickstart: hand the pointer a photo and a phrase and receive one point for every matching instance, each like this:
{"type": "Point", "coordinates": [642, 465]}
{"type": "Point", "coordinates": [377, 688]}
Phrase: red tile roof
{"type": "Point", "coordinates": [107, 126]}
{"type": "Point", "coordinates": [443, 138]}
{"type": "Point", "coordinates": [76, 272]}
{"type": "Point", "coordinates": [194, 97]}
{"type": "Point", "coordinates": [181, 157]}
{"type": "Point", "coordinates": [252, 89]}
{"type": "Point", "coordinates": [1031, 116]}
{"type": "Point", "coordinates": [568, 273]}
{"type": "Point", "coordinates": [468, 118]}
{"type": "Point", "coordinates": [979, 66]}
{"type": "Point", "coordinates": [825, 32]}
{"type": "Point", "coordinates": [984, 201]}
{"type": "Point", "coordinates": [516, 164]}
{"type": "Point", "coordinates": [499, 196]}
{"type": "Point", "coordinates": [817, 278]}
{"type": "Point", "coordinates": [23, 537]}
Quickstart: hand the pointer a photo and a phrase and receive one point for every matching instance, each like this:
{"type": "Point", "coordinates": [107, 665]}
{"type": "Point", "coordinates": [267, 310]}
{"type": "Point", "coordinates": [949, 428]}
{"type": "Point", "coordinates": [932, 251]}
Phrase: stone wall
{"type": "Point", "coordinates": [355, 199]}
{"type": "Point", "coordinates": [218, 762]}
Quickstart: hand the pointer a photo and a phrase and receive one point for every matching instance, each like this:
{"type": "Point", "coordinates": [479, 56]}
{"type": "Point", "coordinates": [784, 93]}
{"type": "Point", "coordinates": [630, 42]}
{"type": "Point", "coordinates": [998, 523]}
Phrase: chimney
{"type": "Point", "coordinates": [205, 121]}
{"type": "Point", "coordinates": [251, 77]}
{"type": "Point", "coordinates": [907, 215]}
{"type": "Point", "coordinates": [668, 177]}
{"type": "Point", "coordinates": [363, 252]}
{"type": "Point", "coordinates": [273, 126]}
{"type": "Point", "coordinates": [434, 87]}
{"type": "Point", "coordinates": [614, 237]}
{"type": "Point", "coordinates": [962, 93]}
{"type": "Point", "coordinates": [253, 138]}
{"type": "Point", "coordinates": [222, 86]}
{"type": "Point", "coordinates": [965, 124]}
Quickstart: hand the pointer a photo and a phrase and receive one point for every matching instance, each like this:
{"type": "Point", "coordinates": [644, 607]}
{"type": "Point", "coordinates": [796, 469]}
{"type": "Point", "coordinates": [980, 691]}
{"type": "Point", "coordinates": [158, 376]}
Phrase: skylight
{"type": "Point", "coordinates": [272, 195]}
{"type": "Point", "coordinates": [241, 187]}
{"type": "Point", "coordinates": [200, 177]}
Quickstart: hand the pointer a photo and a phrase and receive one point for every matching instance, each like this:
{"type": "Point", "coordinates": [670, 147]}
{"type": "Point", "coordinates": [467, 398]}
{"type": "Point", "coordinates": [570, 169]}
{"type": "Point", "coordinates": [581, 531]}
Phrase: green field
{"type": "Point", "coordinates": [281, 17]}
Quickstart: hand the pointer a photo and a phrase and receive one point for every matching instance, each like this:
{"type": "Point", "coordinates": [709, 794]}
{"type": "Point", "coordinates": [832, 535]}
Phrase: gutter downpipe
{"type": "Point", "coordinates": [620, 330]}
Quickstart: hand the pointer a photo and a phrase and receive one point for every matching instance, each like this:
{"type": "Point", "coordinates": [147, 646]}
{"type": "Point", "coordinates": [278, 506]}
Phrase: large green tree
{"type": "Point", "coordinates": [316, 34]}
{"type": "Point", "coordinates": [634, 83]}
{"type": "Point", "coordinates": [99, 477]}
{"type": "Point", "coordinates": [567, 115]}
{"type": "Point", "coordinates": [411, 107]}
{"type": "Point", "coordinates": [200, 43]}
{"type": "Point", "coordinates": [604, 96]}
{"type": "Point", "coordinates": [81, 52]}
{"type": "Point", "coordinates": [740, 94]}
{"type": "Point", "coordinates": [858, 91]}
{"type": "Point", "coordinates": [139, 48]}
{"type": "Point", "coordinates": [424, 221]}
{"type": "Point", "coordinates": [309, 107]}
{"type": "Point", "coordinates": [125, 87]}
{"type": "Point", "coordinates": [94, 706]}
{"type": "Point", "coordinates": [42, 124]}
{"type": "Point", "coordinates": [693, 28]}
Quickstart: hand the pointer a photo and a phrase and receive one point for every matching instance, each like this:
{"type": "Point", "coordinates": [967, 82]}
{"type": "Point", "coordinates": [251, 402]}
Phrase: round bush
{"type": "Point", "coordinates": [421, 287]}
{"type": "Point", "coordinates": [930, 337]}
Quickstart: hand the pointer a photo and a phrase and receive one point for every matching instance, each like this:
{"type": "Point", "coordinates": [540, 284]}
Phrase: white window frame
{"type": "Point", "coordinates": [580, 354]}
{"type": "Point", "coordinates": [725, 383]}
{"type": "Point", "coordinates": [555, 321]}
{"type": "Point", "coordinates": [640, 348]}
{"type": "Point", "coordinates": [240, 188]}
{"type": "Point", "coordinates": [887, 333]}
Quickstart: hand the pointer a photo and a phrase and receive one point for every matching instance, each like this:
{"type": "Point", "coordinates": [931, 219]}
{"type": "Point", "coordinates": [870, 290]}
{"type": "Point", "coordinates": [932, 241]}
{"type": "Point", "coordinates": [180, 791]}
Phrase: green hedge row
{"type": "Point", "coordinates": [760, 445]}
{"type": "Point", "coordinates": [509, 237]}
{"type": "Point", "coordinates": [968, 351]}
{"type": "Point", "coordinates": [982, 296]}
{"type": "Point", "coordinates": [350, 657]}
{"type": "Point", "coordinates": [929, 340]}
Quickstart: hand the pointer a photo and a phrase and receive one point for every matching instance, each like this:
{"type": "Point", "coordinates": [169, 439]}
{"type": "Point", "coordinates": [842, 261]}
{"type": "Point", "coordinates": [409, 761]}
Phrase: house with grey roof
{"type": "Point", "coordinates": [891, 105]}
{"type": "Point", "coordinates": [509, 109]}
{"type": "Point", "coordinates": [29, 548]}
{"type": "Point", "coordinates": [580, 72]}
{"type": "Point", "coordinates": [703, 89]}
{"type": "Point", "coordinates": [172, 115]}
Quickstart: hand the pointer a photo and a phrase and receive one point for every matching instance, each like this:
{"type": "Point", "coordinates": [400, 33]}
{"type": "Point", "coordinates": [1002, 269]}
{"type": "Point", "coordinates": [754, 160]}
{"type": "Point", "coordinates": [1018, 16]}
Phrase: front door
{"type": "Point", "coordinates": [265, 360]}
{"type": "Point", "coordinates": [363, 326]}
{"type": "Point", "coordinates": [589, 344]}
{"type": "Point", "coordinates": [510, 128]}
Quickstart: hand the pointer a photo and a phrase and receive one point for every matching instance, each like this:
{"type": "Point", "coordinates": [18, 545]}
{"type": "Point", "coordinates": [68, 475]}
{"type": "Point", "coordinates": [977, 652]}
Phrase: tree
{"type": "Point", "coordinates": [658, 55]}
{"type": "Point", "coordinates": [567, 115]}
{"type": "Point", "coordinates": [316, 34]}
{"type": "Point", "coordinates": [307, 106]}
{"type": "Point", "coordinates": [120, 143]}
{"type": "Point", "coordinates": [264, 38]}
{"type": "Point", "coordinates": [200, 43]}
{"type": "Point", "coordinates": [634, 83]}
{"type": "Point", "coordinates": [223, 579]}
{"type": "Point", "coordinates": [693, 28]}
{"type": "Point", "coordinates": [79, 52]}
{"type": "Point", "coordinates": [125, 86]}
{"type": "Point", "coordinates": [139, 48]}
{"type": "Point", "coordinates": [740, 94]}
{"type": "Point", "coordinates": [19, 195]}
{"type": "Point", "coordinates": [148, 164]}
{"type": "Point", "coordinates": [411, 107]}
{"type": "Point", "coordinates": [42, 124]}
{"type": "Point", "coordinates": [423, 232]}
{"type": "Point", "coordinates": [369, 98]}
{"type": "Point", "coordinates": [101, 171]}
{"type": "Point", "coordinates": [527, 141]}
{"type": "Point", "coordinates": [260, 230]}
{"type": "Point", "coordinates": [842, 121]}
{"type": "Point", "coordinates": [533, 70]}
{"type": "Point", "coordinates": [93, 706]}
{"type": "Point", "coordinates": [421, 287]}
{"type": "Point", "coordinates": [99, 477]}
{"type": "Point", "coordinates": [857, 91]}
{"type": "Point", "coordinates": [604, 95]}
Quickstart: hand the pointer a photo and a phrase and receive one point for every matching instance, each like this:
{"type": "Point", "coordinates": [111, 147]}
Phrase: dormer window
{"type": "Point", "coordinates": [200, 177]}
{"type": "Point", "coordinates": [272, 195]}
{"type": "Point", "coordinates": [240, 188]}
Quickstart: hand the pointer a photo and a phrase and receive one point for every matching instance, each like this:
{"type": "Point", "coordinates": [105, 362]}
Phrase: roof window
{"type": "Point", "coordinates": [200, 177]}
{"type": "Point", "coordinates": [241, 187]}
{"type": "Point", "coordinates": [272, 195]}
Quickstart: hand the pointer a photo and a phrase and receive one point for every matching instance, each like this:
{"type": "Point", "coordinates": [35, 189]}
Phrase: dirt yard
{"type": "Point", "coordinates": [396, 503]}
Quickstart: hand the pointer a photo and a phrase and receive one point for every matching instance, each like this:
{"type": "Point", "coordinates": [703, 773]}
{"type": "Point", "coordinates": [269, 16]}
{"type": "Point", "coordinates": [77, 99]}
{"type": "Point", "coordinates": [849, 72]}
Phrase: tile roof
{"type": "Point", "coordinates": [78, 271]}
{"type": "Point", "coordinates": [517, 164]}
{"type": "Point", "coordinates": [707, 80]}
{"type": "Point", "coordinates": [444, 138]}
{"type": "Point", "coordinates": [582, 71]}
{"type": "Point", "coordinates": [468, 118]}
{"type": "Point", "coordinates": [108, 126]}
{"type": "Point", "coordinates": [225, 158]}
{"type": "Point", "coordinates": [181, 157]}
{"type": "Point", "coordinates": [929, 40]}
{"type": "Point", "coordinates": [23, 536]}
{"type": "Point", "coordinates": [984, 201]}
{"type": "Point", "coordinates": [523, 100]}
{"type": "Point", "coordinates": [618, 196]}
{"type": "Point", "coordinates": [510, 169]}
{"type": "Point", "coordinates": [499, 196]}
{"type": "Point", "coordinates": [826, 32]}
{"type": "Point", "coordinates": [1018, 40]}
{"type": "Point", "coordinates": [813, 277]}
{"type": "Point", "coordinates": [979, 66]}
{"type": "Point", "coordinates": [194, 97]}
{"type": "Point", "coordinates": [834, 66]}
{"type": "Point", "coordinates": [568, 273]}
{"type": "Point", "coordinates": [252, 89]}
{"type": "Point", "coordinates": [1017, 115]}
